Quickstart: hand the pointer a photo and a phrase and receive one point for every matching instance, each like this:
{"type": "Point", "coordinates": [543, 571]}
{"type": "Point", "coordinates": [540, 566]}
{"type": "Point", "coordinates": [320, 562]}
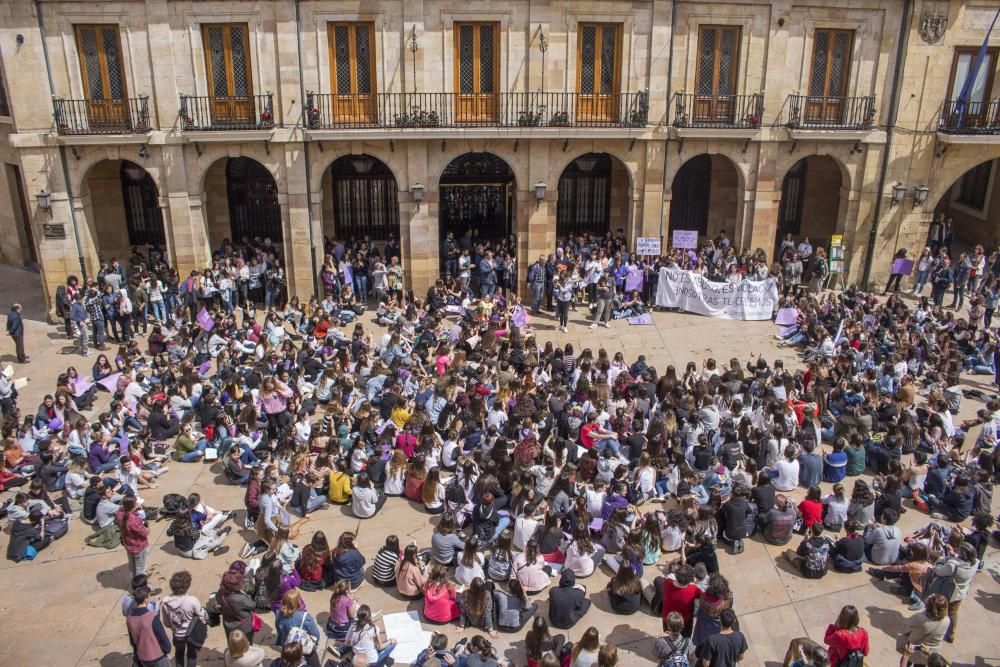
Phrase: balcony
{"type": "Point", "coordinates": [249, 112]}
{"type": "Point", "coordinates": [806, 112]}
{"type": "Point", "coordinates": [725, 112]}
{"type": "Point", "coordinates": [326, 111]}
{"type": "Point", "coordinates": [970, 118]}
{"type": "Point", "coordinates": [83, 117]}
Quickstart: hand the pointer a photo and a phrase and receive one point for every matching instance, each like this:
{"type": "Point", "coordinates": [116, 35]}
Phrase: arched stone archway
{"type": "Point", "coordinates": [121, 206]}
{"type": "Point", "coordinates": [360, 198]}
{"type": "Point", "coordinates": [478, 203]}
{"type": "Point", "coordinates": [241, 201]}
{"type": "Point", "coordinates": [812, 202]}
{"type": "Point", "coordinates": [705, 196]}
{"type": "Point", "coordinates": [970, 207]}
{"type": "Point", "coordinates": [594, 196]}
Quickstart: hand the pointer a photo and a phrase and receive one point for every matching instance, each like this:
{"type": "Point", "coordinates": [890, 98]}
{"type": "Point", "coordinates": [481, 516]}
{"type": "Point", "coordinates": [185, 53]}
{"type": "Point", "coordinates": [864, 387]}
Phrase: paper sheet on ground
{"type": "Point", "coordinates": [410, 638]}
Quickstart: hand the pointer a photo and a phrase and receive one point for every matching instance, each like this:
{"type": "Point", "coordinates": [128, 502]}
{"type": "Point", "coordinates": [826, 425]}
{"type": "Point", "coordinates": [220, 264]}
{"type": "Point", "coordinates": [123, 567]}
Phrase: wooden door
{"type": "Point", "coordinates": [974, 113]}
{"type": "Point", "coordinates": [477, 72]}
{"type": "Point", "coordinates": [227, 64]}
{"type": "Point", "coordinates": [598, 77]}
{"type": "Point", "coordinates": [718, 65]}
{"type": "Point", "coordinates": [103, 75]}
{"type": "Point", "coordinates": [831, 69]}
{"type": "Point", "coordinates": [352, 72]}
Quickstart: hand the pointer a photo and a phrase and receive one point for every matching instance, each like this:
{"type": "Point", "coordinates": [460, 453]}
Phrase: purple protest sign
{"type": "Point", "coordinates": [645, 318]}
{"type": "Point", "coordinates": [348, 275]}
{"type": "Point", "coordinates": [786, 316]}
{"type": "Point", "coordinates": [205, 320]}
{"type": "Point", "coordinates": [633, 281]}
{"type": "Point", "coordinates": [110, 382]}
{"type": "Point", "coordinates": [520, 318]}
{"type": "Point", "coordinates": [902, 267]}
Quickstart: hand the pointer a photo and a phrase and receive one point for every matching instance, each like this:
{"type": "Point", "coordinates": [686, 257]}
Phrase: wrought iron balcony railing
{"type": "Point", "coordinates": [718, 111]}
{"type": "Point", "coordinates": [430, 110]}
{"type": "Point", "coordinates": [249, 112]}
{"type": "Point", "coordinates": [959, 117]}
{"type": "Point", "coordinates": [125, 116]}
{"type": "Point", "coordinates": [807, 112]}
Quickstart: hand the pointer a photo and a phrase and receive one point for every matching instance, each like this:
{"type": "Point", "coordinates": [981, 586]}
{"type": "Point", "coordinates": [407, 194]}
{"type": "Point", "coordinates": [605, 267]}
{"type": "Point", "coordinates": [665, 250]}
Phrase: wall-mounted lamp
{"type": "Point", "coordinates": [920, 194]}
{"type": "Point", "coordinates": [898, 192]}
{"type": "Point", "coordinates": [44, 199]}
{"type": "Point", "coordinates": [417, 190]}
{"type": "Point", "coordinates": [540, 188]}
{"type": "Point", "coordinates": [143, 151]}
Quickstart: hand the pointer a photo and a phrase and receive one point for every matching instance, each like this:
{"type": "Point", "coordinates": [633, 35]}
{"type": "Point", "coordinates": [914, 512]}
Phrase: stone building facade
{"type": "Point", "coordinates": [184, 123]}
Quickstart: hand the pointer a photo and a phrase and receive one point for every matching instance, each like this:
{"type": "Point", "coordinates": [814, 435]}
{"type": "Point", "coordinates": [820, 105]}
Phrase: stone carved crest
{"type": "Point", "coordinates": [932, 25]}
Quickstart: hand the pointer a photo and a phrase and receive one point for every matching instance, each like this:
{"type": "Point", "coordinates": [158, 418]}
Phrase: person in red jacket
{"type": "Point", "coordinates": [679, 594]}
{"type": "Point", "coordinates": [135, 535]}
{"type": "Point", "coordinates": [846, 636]}
{"type": "Point", "coordinates": [811, 509]}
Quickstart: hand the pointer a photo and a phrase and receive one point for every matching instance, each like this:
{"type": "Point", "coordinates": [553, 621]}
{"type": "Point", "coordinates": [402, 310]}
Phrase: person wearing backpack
{"type": "Point", "coordinates": [846, 640]}
{"type": "Point", "coordinates": [813, 553]}
{"type": "Point", "coordinates": [673, 649]}
{"type": "Point", "coordinates": [294, 624]}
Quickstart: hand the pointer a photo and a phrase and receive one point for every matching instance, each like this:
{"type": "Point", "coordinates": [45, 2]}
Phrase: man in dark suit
{"type": "Point", "coordinates": [15, 329]}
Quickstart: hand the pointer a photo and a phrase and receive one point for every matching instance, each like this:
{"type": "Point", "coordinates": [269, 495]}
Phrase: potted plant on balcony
{"type": "Point", "coordinates": [266, 118]}
{"type": "Point", "coordinates": [529, 118]}
{"type": "Point", "coordinates": [559, 119]}
{"type": "Point", "coordinates": [636, 118]}
{"type": "Point", "coordinates": [313, 117]}
{"type": "Point", "coordinates": [417, 118]}
{"type": "Point", "coordinates": [751, 120]}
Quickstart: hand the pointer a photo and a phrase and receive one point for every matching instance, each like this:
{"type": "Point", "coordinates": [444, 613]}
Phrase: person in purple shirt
{"type": "Point", "coordinates": [103, 456]}
{"type": "Point", "coordinates": [615, 500]}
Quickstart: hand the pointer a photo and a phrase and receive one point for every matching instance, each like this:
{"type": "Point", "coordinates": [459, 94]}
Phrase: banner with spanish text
{"type": "Point", "coordinates": [694, 293]}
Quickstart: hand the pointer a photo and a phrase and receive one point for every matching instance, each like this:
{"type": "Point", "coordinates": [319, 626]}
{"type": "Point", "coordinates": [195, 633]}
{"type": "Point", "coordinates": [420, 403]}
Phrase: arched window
{"type": "Point", "coordinates": [364, 199]}
{"type": "Point", "coordinates": [253, 201]}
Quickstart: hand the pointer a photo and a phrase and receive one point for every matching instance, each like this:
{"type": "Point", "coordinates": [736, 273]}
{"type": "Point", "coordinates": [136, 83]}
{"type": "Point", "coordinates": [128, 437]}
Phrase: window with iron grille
{"type": "Point", "coordinates": [143, 216]}
{"type": "Point", "coordinates": [477, 58]}
{"type": "Point", "coordinates": [253, 201]}
{"type": "Point", "coordinates": [598, 58]}
{"type": "Point", "coordinates": [718, 60]}
{"type": "Point", "coordinates": [227, 60]}
{"type": "Point", "coordinates": [364, 199]}
{"type": "Point", "coordinates": [352, 58]}
{"type": "Point", "coordinates": [793, 192]}
{"type": "Point", "coordinates": [974, 186]}
{"type": "Point", "coordinates": [585, 197]}
{"type": "Point", "coordinates": [101, 66]}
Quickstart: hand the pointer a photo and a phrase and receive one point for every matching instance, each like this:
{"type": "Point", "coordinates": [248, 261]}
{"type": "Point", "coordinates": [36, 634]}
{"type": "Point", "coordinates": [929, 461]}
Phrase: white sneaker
{"type": "Point", "coordinates": [606, 325]}
{"type": "Point", "coordinates": [593, 325]}
{"type": "Point", "coordinates": [565, 330]}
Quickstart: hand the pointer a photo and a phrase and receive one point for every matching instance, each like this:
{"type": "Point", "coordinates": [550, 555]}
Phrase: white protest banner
{"type": "Point", "coordinates": [745, 300]}
{"type": "Point", "coordinates": [647, 246]}
{"type": "Point", "coordinates": [685, 238]}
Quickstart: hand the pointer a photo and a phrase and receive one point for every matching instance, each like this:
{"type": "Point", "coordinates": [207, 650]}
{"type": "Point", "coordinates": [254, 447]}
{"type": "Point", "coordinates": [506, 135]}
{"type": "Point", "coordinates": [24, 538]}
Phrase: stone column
{"type": "Point", "coordinates": [766, 202]}
{"type": "Point", "coordinates": [303, 247]}
{"type": "Point", "coordinates": [188, 244]}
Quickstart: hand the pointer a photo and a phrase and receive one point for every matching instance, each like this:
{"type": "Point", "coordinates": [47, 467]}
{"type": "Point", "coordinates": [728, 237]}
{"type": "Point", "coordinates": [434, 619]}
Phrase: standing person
{"type": "Point", "coordinates": [183, 614]}
{"type": "Point", "coordinates": [134, 535]}
{"type": "Point", "coordinates": [895, 276]}
{"type": "Point", "coordinates": [603, 300]}
{"type": "Point", "coordinates": [924, 265]}
{"type": "Point", "coordinates": [487, 274]}
{"type": "Point", "coordinates": [952, 577]}
{"type": "Point", "coordinates": [846, 639]}
{"type": "Point", "coordinates": [80, 319]}
{"type": "Point", "coordinates": [941, 280]}
{"type": "Point", "coordinates": [924, 631]}
{"type": "Point", "coordinates": [961, 280]}
{"type": "Point", "coordinates": [563, 289]}
{"type": "Point", "coordinates": [536, 281]}
{"type": "Point", "coordinates": [94, 303]}
{"type": "Point", "coordinates": [15, 329]}
{"type": "Point", "coordinates": [726, 647]}
{"type": "Point", "coordinates": [818, 271]}
{"type": "Point", "coordinates": [146, 633]}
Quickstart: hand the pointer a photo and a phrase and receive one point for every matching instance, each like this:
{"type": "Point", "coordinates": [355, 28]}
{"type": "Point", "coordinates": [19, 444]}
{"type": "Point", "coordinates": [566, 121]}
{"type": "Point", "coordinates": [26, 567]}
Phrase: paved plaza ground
{"type": "Point", "coordinates": [63, 608]}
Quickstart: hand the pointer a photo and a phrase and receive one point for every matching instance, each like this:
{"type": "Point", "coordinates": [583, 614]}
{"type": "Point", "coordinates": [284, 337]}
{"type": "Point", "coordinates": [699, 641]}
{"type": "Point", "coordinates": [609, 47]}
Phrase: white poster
{"type": "Point", "coordinates": [647, 246]}
{"type": "Point", "coordinates": [686, 238]}
{"type": "Point", "coordinates": [745, 300]}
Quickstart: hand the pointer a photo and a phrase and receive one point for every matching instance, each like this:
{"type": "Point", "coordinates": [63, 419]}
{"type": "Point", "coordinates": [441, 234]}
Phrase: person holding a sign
{"type": "Point", "coordinates": [900, 267]}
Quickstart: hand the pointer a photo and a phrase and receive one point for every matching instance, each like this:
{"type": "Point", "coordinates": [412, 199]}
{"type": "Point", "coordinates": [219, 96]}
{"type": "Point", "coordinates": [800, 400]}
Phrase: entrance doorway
{"type": "Point", "coordinates": [477, 200]}
{"type": "Point", "coordinates": [705, 197]}
{"type": "Point", "coordinates": [254, 211]}
{"type": "Point", "coordinates": [810, 202]}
